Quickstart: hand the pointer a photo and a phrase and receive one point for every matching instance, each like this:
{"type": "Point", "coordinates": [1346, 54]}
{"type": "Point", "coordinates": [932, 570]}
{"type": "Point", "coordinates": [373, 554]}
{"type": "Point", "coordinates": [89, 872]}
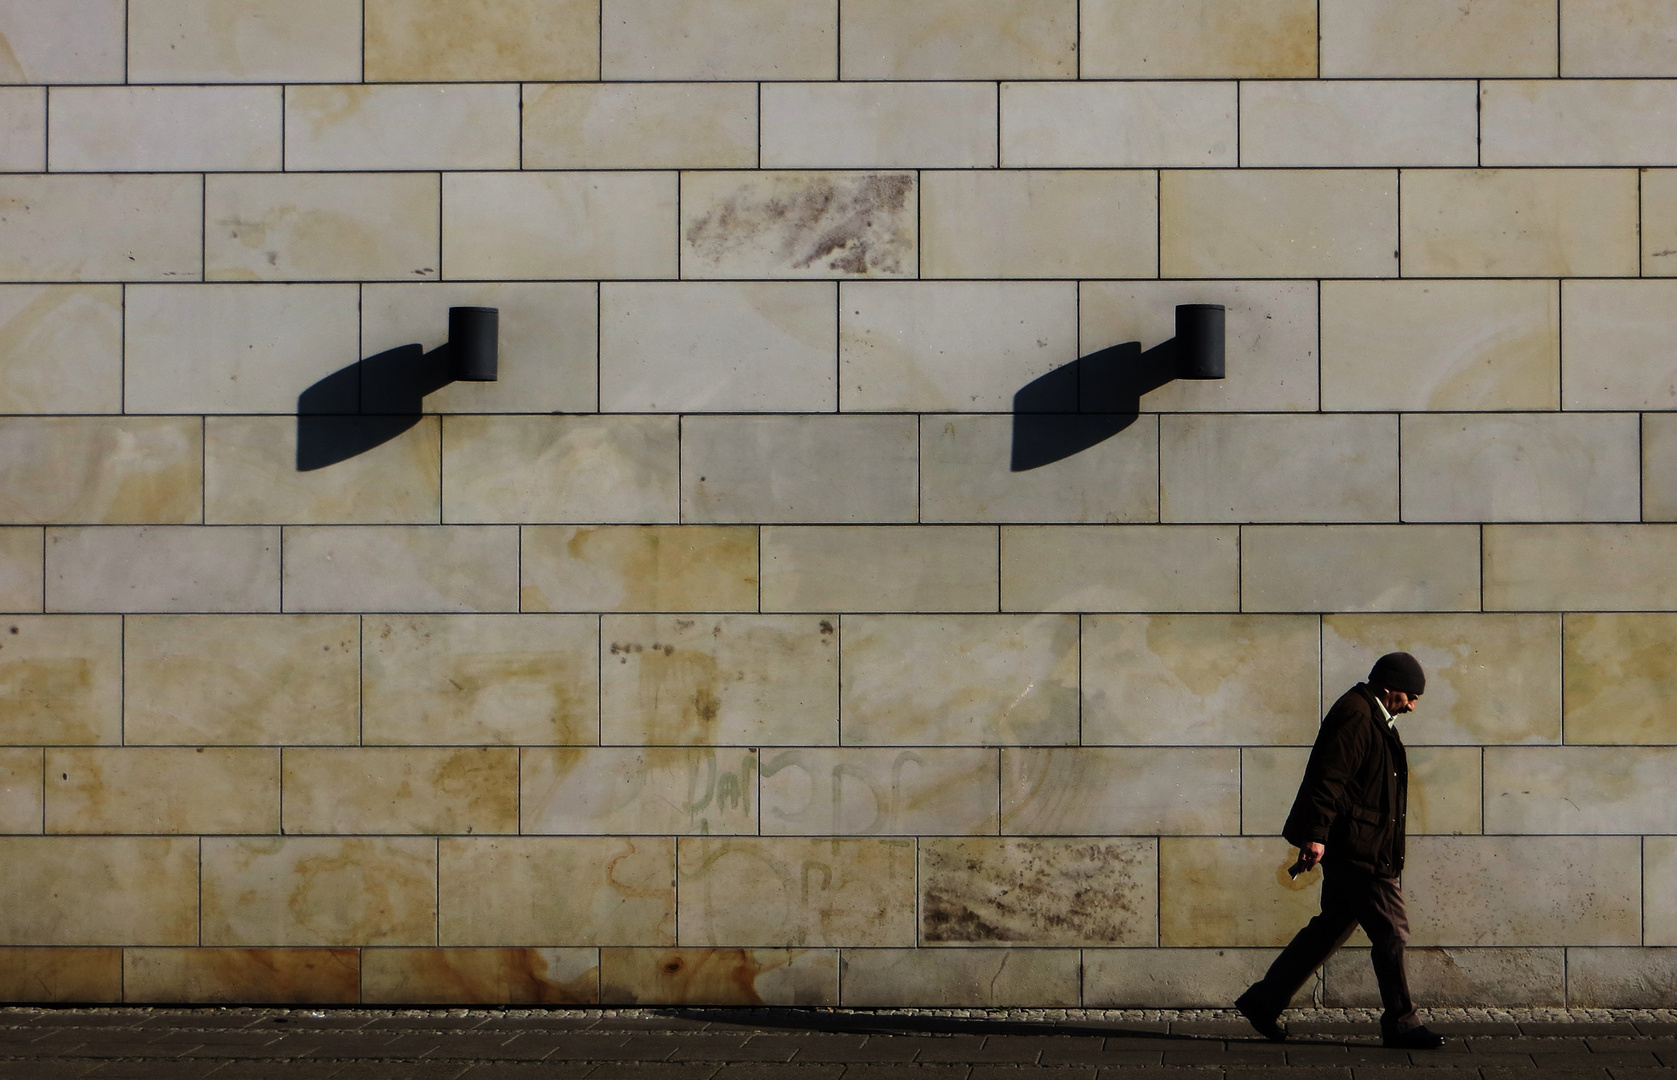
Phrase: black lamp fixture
{"type": "Point", "coordinates": [1199, 341]}
{"type": "Point", "coordinates": [474, 342]}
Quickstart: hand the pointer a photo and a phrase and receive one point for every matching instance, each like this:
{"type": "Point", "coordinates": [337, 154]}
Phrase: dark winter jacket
{"type": "Point", "coordinates": [1355, 792]}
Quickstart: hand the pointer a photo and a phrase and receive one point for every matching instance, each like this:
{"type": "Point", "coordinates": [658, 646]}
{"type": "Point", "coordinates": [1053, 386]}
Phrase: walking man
{"type": "Point", "coordinates": [1349, 816]}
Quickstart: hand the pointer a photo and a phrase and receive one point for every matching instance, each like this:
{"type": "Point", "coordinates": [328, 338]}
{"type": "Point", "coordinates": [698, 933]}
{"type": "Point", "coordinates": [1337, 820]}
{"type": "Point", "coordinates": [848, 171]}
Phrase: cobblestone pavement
{"type": "Point", "coordinates": [817, 1044]}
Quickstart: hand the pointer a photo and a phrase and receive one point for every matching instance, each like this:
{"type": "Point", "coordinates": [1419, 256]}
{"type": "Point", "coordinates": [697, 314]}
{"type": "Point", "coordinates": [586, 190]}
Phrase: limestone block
{"type": "Point", "coordinates": [241, 679]}
{"type": "Point", "coordinates": [234, 348]}
{"type": "Point", "coordinates": [1619, 978]}
{"type": "Point", "coordinates": [1524, 890]}
{"type": "Point", "coordinates": [23, 130]}
{"type": "Point", "coordinates": [638, 568]}
{"type": "Point", "coordinates": [1341, 123]}
{"type": "Point", "coordinates": [164, 129]}
{"type": "Point", "coordinates": [958, 39]}
{"type": "Point", "coordinates": [559, 225]}
{"type": "Point", "coordinates": [22, 584]}
{"type": "Point", "coordinates": [883, 791]}
{"type": "Point", "coordinates": [488, 40]}
{"type": "Point", "coordinates": [879, 568]}
{"type": "Point", "coordinates": [804, 224]}
{"type": "Point", "coordinates": [1470, 978]}
{"type": "Point", "coordinates": [1577, 122]}
{"type": "Point", "coordinates": [401, 127]}
{"type": "Point", "coordinates": [1039, 223]}
{"type": "Point", "coordinates": [793, 892]}
{"type": "Point", "coordinates": [1433, 38]}
{"type": "Point", "coordinates": [1269, 780]}
{"type": "Point", "coordinates": [753, 680]}
{"type": "Point", "coordinates": [1359, 568]}
{"type": "Point", "coordinates": [798, 469]}
{"type": "Point", "coordinates": [1278, 468]}
{"type": "Point", "coordinates": [1659, 467]}
{"type": "Point", "coordinates": [101, 228]}
{"type": "Point", "coordinates": [1092, 568]}
{"type": "Point", "coordinates": [126, 789]}
{"type": "Point", "coordinates": [1589, 790]}
{"type": "Point", "coordinates": [261, 41]}
{"type": "Point", "coordinates": [1174, 978]}
{"type": "Point", "coordinates": [1283, 222]}
{"type": "Point", "coordinates": [1107, 791]}
{"type": "Point", "coordinates": [953, 680]}
{"type": "Point", "coordinates": [974, 978]}
{"type": "Point", "coordinates": [477, 679]}
{"type": "Point", "coordinates": [737, 977]}
{"type": "Point", "coordinates": [951, 346]}
{"type": "Point", "coordinates": [878, 125]}
{"type": "Point", "coordinates": [638, 790]}
{"type": "Point", "coordinates": [99, 890]}
{"type": "Point", "coordinates": [558, 468]}
{"type": "Point", "coordinates": [401, 568]}
{"type": "Point", "coordinates": [326, 890]}
{"type": "Point", "coordinates": [719, 39]}
{"type": "Point", "coordinates": [1620, 677]}
{"type": "Point", "coordinates": [1659, 871]}
{"type": "Point", "coordinates": [401, 790]}
{"type": "Point", "coordinates": [1519, 223]}
{"type": "Point", "coordinates": [1580, 567]}
{"type": "Point", "coordinates": [21, 791]}
{"type": "Point", "coordinates": [1222, 891]}
{"type": "Point", "coordinates": [1198, 39]}
{"type": "Point", "coordinates": [761, 346]}
{"type": "Point", "coordinates": [251, 476]}
{"type": "Point", "coordinates": [163, 569]}
{"type": "Point", "coordinates": [73, 41]}
{"type": "Point", "coordinates": [242, 976]}
{"type": "Point", "coordinates": [604, 890]}
{"type": "Point", "coordinates": [1617, 38]}
{"type": "Point", "coordinates": [640, 126]}
{"type": "Point", "coordinates": [79, 976]}
{"type": "Point", "coordinates": [1440, 346]}
{"type": "Point", "coordinates": [1118, 124]}
{"type": "Point", "coordinates": [60, 680]}
{"type": "Point", "coordinates": [1039, 892]}
{"type": "Point", "coordinates": [1617, 342]}
{"type": "Point", "coordinates": [101, 470]}
{"type": "Point", "coordinates": [321, 227]}
{"type": "Point", "coordinates": [1200, 679]}
{"type": "Point", "coordinates": [61, 348]}
{"type": "Point", "coordinates": [480, 977]}
{"type": "Point", "coordinates": [1270, 325]}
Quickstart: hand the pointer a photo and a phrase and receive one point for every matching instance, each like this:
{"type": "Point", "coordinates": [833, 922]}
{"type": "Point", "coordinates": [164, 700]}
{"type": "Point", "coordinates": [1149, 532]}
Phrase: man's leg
{"type": "Point", "coordinates": [1309, 949]}
{"type": "Point", "coordinates": [1383, 917]}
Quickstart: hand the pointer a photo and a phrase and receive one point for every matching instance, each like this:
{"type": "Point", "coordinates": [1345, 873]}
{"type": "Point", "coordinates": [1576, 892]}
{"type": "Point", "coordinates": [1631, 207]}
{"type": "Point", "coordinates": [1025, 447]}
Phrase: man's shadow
{"type": "Point", "coordinates": [1086, 402]}
{"type": "Point", "coordinates": [368, 403]}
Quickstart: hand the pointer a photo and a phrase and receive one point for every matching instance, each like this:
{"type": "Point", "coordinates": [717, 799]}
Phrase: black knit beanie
{"type": "Point", "coordinates": [1399, 671]}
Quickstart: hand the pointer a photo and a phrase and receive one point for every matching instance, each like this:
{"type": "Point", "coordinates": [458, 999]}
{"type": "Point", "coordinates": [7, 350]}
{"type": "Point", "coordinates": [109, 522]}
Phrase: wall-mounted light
{"type": "Point", "coordinates": [1199, 341]}
{"type": "Point", "coordinates": [474, 341]}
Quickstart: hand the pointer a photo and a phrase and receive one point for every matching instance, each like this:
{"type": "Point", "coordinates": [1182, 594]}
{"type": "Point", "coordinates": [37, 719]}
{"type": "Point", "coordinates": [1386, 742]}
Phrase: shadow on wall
{"type": "Point", "coordinates": [1086, 402]}
{"type": "Point", "coordinates": [368, 403]}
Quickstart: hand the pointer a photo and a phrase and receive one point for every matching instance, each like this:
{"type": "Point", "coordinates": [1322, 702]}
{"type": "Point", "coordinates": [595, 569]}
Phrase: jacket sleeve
{"type": "Point", "coordinates": [1324, 794]}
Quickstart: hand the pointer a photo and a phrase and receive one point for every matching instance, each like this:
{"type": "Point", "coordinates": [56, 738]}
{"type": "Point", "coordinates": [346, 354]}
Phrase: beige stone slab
{"type": "Point", "coordinates": [803, 224]}
{"type": "Point", "coordinates": [1659, 871]}
{"type": "Point", "coordinates": [879, 568]}
{"type": "Point", "coordinates": [878, 125]}
{"type": "Point", "coordinates": [534, 469]}
{"type": "Point", "coordinates": [970, 978]}
{"type": "Point", "coordinates": [1617, 38]}
{"type": "Point", "coordinates": [1619, 978]}
{"type": "Point", "coordinates": [1131, 791]}
{"type": "Point", "coordinates": [344, 891]}
{"type": "Point", "coordinates": [101, 228]}
{"type": "Point", "coordinates": [77, 976]}
{"type": "Point", "coordinates": [401, 790]}
{"type": "Point", "coordinates": [456, 568]}
{"type": "Point", "coordinates": [951, 680]}
{"type": "Point", "coordinates": [251, 473]}
{"type": "Point", "coordinates": [1153, 978]}
{"type": "Point", "coordinates": [321, 227]}
{"type": "Point", "coordinates": [1041, 223]}
{"type": "Point", "coordinates": [951, 346]}
{"type": "Point", "coordinates": [1519, 223]}
{"type": "Point", "coordinates": [241, 976]}
{"type": "Point", "coordinates": [754, 680]}
{"type": "Point", "coordinates": [473, 679]}
{"type": "Point", "coordinates": [500, 40]}
{"type": "Point", "coordinates": [1620, 675]}
{"type": "Point", "coordinates": [99, 890]}
{"type": "Point", "coordinates": [793, 892]}
{"type": "Point", "coordinates": [756, 346]}
{"type": "Point", "coordinates": [880, 791]}
{"type": "Point", "coordinates": [719, 39]}
{"type": "Point", "coordinates": [402, 127]}
{"type": "Point", "coordinates": [737, 977]}
{"type": "Point", "coordinates": [1090, 568]}
{"type": "Point", "coordinates": [73, 41]}
{"type": "Point", "coordinates": [162, 790]}
{"type": "Point", "coordinates": [21, 790]}
{"type": "Point", "coordinates": [214, 41]}
{"type": "Point", "coordinates": [640, 126]}
{"type": "Point", "coordinates": [1269, 780]}
{"type": "Point", "coordinates": [1432, 38]}
{"type": "Point", "coordinates": [1616, 345]}
{"type": "Point", "coordinates": [1472, 890]}
{"type": "Point", "coordinates": [61, 348]}
{"type": "Point", "coordinates": [1580, 567]}
{"type": "Point", "coordinates": [1118, 124]}
{"type": "Point", "coordinates": [241, 679]}
{"type": "Point", "coordinates": [607, 890]}
{"type": "Point", "coordinates": [101, 470]}
{"type": "Point", "coordinates": [61, 680]}
{"type": "Point", "coordinates": [1359, 568]}
{"type": "Point", "coordinates": [163, 569]}
{"type": "Point", "coordinates": [560, 225]}
{"type": "Point", "coordinates": [638, 568]}
{"type": "Point", "coordinates": [1198, 39]}
{"type": "Point", "coordinates": [164, 129]}
{"type": "Point", "coordinates": [1659, 467]}
{"type": "Point", "coordinates": [1583, 790]}
{"type": "Point", "coordinates": [22, 575]}
{"type": "Point", "coordinates": [1200, 679]}
{"type": "Point", "coordinates": [1223, 891]}
{"type": "Point", "coordinates": [958, 39]}
{"type": "Point", "coordinates": [1347, 123]}
{"type": "Point", "coordinates": [1577, 122]}
{"type": "Point", "coordinates": [835, 469]}
{"type": "Point", "coordinates": [480, 976]}
{"type": "Point", "coordinates": [1445, 790]}
{"type": "Point", "coordinates": [638, 791]}
{"type": "Point", "coordinates": [1470, 978]}
{"type": "Point", "coordinates": [23, 130]}
{"type": "Point", "coordinates": [1278, 223]}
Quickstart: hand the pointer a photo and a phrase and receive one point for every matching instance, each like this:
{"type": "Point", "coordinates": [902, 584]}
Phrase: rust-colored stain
{"type": "Point", "coordinates": [688, 976]}
{"type": "Point", "coordinates": [856, 225]}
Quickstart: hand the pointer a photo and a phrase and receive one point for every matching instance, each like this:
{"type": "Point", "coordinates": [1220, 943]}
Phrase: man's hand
{"type": "Point", "coordinates": [1310, 855]}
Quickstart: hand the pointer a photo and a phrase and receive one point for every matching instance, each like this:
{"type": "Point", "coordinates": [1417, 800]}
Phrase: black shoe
{"type": "Point", "coordinates": [1416, 1038]}
{"type": "Point", "coordinates": [1264, 1022]}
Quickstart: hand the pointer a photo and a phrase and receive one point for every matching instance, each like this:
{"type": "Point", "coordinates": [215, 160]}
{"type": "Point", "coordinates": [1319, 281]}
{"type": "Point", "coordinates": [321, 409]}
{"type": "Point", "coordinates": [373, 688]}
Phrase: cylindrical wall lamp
{"type": "Point", "coordinates": [1199, 341]}
{"type": "Point", "coordinates": [474, 341]}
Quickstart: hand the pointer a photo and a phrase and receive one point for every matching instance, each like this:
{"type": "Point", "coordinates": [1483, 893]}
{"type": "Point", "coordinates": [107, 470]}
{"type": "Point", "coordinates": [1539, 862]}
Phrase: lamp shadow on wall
{"type": "Point", "coordinates": [368, 403]}
{"type": "Point", "coordinates": [1084, 403]}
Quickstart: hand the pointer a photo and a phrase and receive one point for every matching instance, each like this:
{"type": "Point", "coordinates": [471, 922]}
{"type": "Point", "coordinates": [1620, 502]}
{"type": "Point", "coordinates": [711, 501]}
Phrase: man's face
{"type": "Point", "coordinates": [1397, 702]}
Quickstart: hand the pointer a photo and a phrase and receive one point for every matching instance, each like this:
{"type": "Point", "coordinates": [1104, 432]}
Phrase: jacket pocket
{"type": "Point", "coordinates": [1364, 816]}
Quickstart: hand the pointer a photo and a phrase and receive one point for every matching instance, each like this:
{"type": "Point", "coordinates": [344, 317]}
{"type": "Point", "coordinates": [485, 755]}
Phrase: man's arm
{"type": "Point", "coordinates": [1322, 794]}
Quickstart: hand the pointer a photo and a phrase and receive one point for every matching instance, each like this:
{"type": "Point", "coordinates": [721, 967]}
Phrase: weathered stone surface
{"type": "Point", "coordinates": [61, 680]}
{"type": "Point", "coordinates": [798, 224]}
{"type": "Point", "coordinates": [954, 978]}
{"type": "Point", "coordinates": [1198, 39]}
{"type": "Point", "coordinates": [638, 568]}
{"type": "Point", "coordinates": [1579, 567]}
{"type": "Point", "coordinates": [884, 791]}
{"type": "Point", "coordinates": [99, 890]}
{"type": "Point", "coordinates": [1091, 568]}
{"type": "Point", "coordinates": [480, 976]}
{"type": "Point", "coordinates": [1124, 791]}
{"type": "Point", "coordinates": [958, 39]}
{"type": "Point", "coordinates": [1620, 978]}
{"type": "Point", "coordinates": [1591, 790]}
{"type": "Point", "coordinates": [1473, 890]}
{"type": "Point", "coordinates": [22, 778]}
{"type": "Point", "coordinates": [242, 976]}
{"type": "Point", "coordinates": [739, 977]}
{"type": "Point", "coordinates": [637, 790]}
{"type": "Point", "coordinates": [72, 976]}
{"type": "Point", "coordinates": [1151, 978]}
{"type": "Point", "coordinates": [446, 40]}
{"type": "Point", "coordinates": [595, 891]}
{"type": "Point", "coordinates": [879, 568]}
{"type": "Point", "coordinates": [1359, 568]}
{"type": "Point", "coordinates": [1231, 891]}
{"type": "Point", "coordinates": [1620, 675]}
{"type": "Point", "coordinates": [1460, 978]}
{"type": "Point", "coordinates": [60, 348]}
{"type": "Point", "coordinates": [111, 789]}
{"type": "Point", "coordinates": [384, 790]}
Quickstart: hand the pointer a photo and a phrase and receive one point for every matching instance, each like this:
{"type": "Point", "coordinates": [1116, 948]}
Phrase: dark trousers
{"type": "Point", "coordinates": [1349, 897]}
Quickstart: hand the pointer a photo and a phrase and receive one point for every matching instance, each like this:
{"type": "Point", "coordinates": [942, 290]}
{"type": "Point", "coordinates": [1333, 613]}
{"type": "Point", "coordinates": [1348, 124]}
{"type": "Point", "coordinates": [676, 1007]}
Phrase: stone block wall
{"type": "Point", "coordinates": [717, 653]}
